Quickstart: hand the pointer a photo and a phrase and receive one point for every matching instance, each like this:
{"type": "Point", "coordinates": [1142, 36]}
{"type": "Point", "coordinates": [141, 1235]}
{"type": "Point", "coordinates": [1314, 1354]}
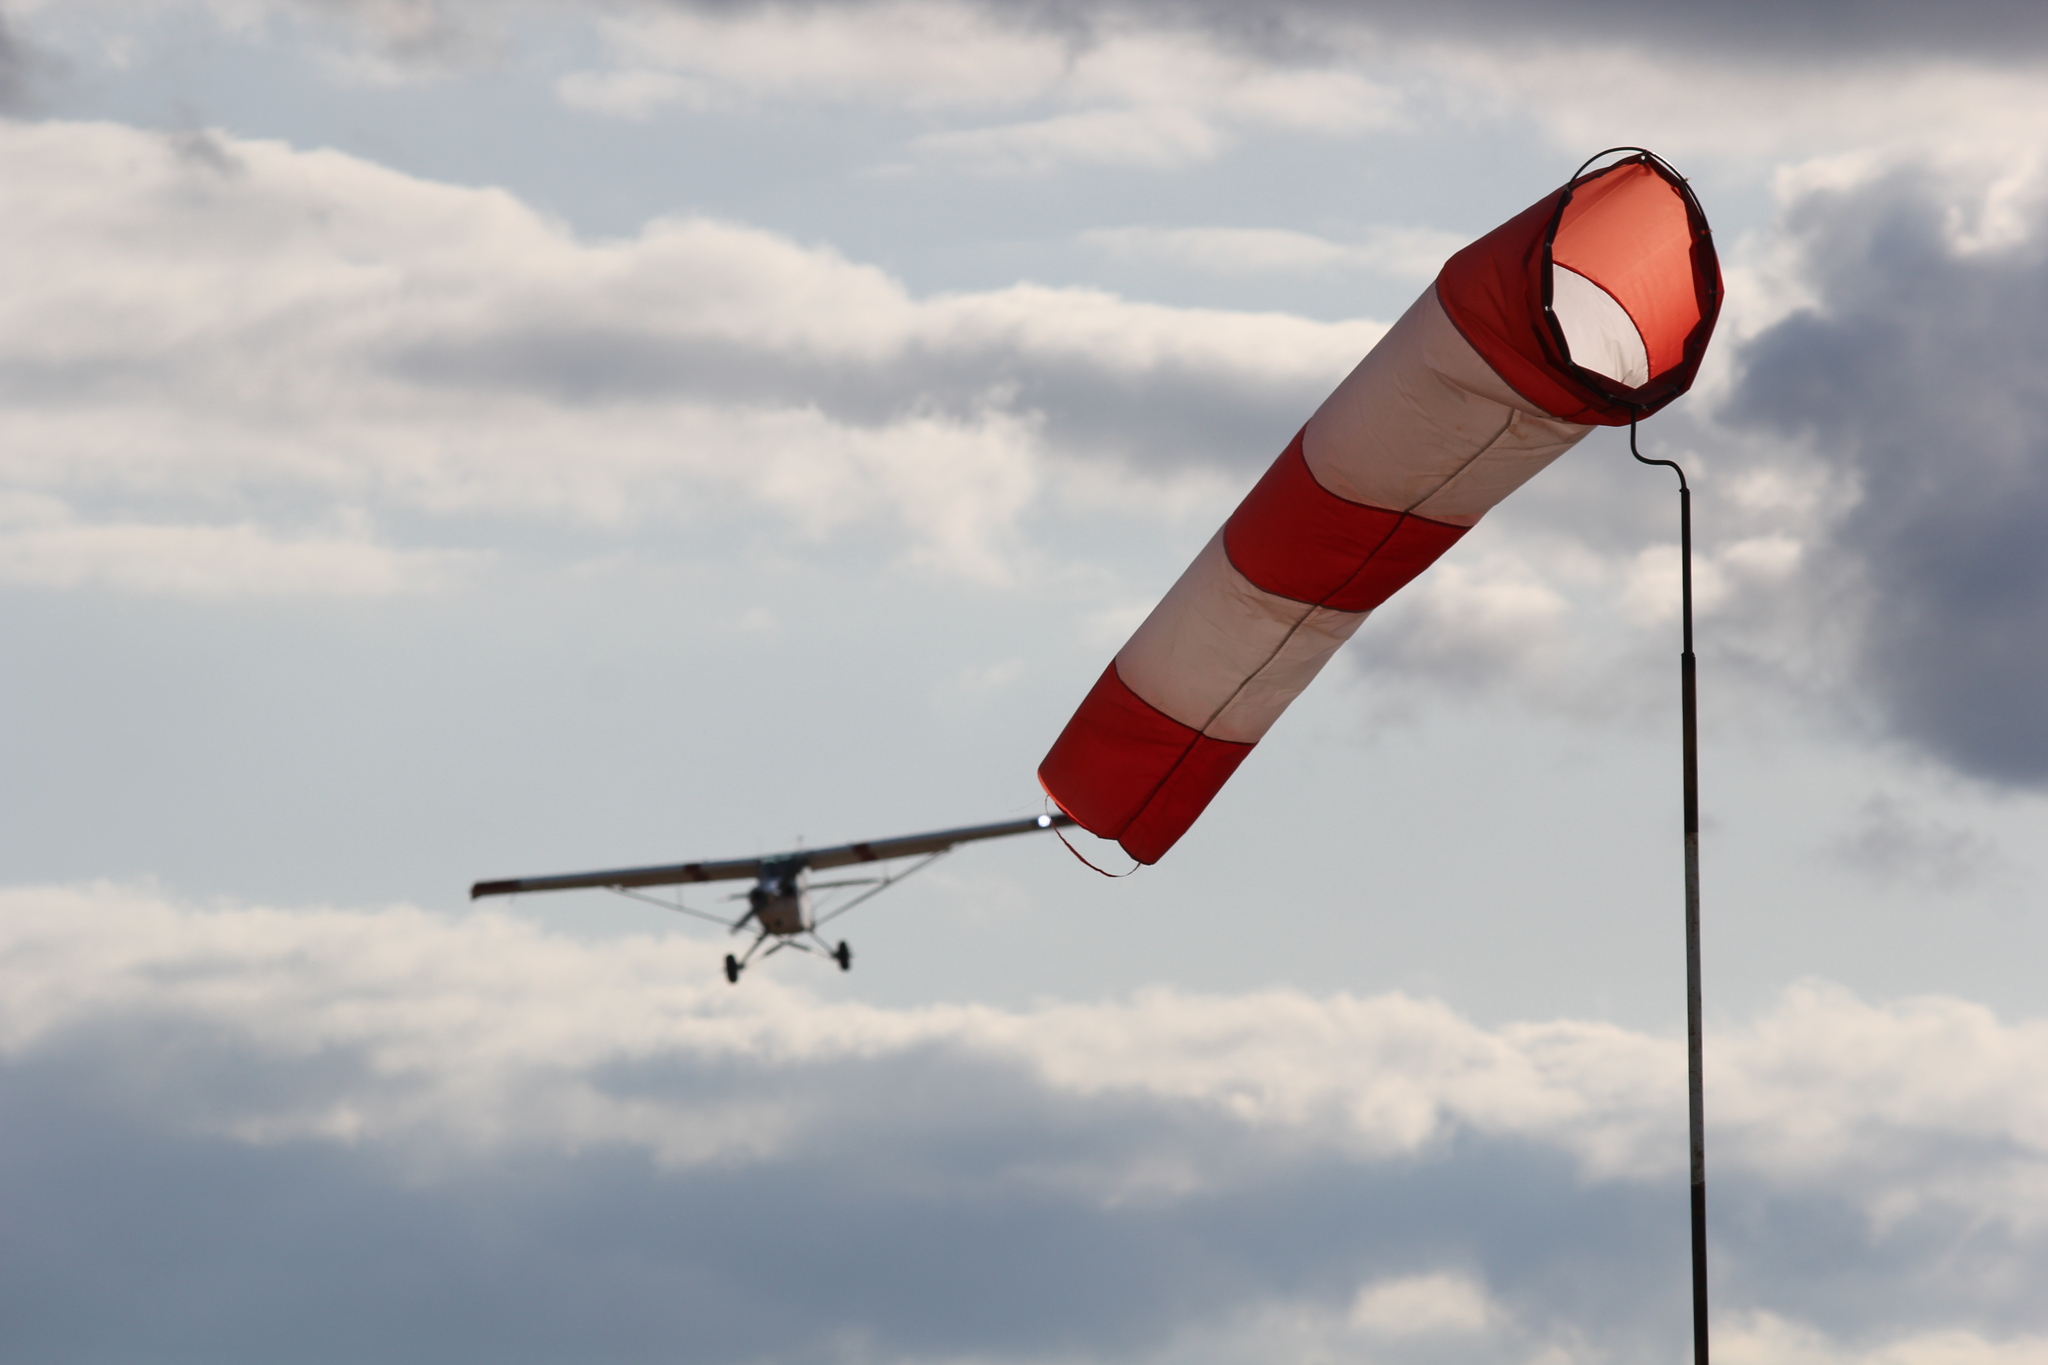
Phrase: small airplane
{"type": "Point", "coordinates": [779, 902]}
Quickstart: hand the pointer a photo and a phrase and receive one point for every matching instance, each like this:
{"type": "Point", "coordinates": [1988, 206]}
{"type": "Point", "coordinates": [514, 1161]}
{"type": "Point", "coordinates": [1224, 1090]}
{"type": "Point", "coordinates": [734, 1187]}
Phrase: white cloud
{"type": "Point", "coordinates": [1746, 94]}
{"type": "Point", "coordinates": [222, 561]}
{"type": "Point", "coordinates": [1152, 139]}
{"type": "Point", "coordinates": [212, 342]}
{"type": "Point", "coordinates": [1768, 1339]}
{"type": "Point", "coordinates": [1122, 92]}
{"type": "Point", "coordinates": [1163, 92]}
{"type": "Point", "coordinates": [1694, 103]}
{"type": "Point", "coordinates": [1480, 621]}
{"type": "Point", "coordinates": [264, 324]}
{"type": "Point", "coordinates": [920, 55]}
{"type": "Point", "coordinates": [462, 1018]}
{"type": "Point", "coordinates": [1422, 1305]}
{"type": "Point", "coordinates": [440, 1051]}
{"type": "Point", "coordinates": [1734, 570]}
{"type": "Point", "coordinates": [1404, 253]}
{"type": "Point", "coordinates": [219, 332]}
{"type": "Point", "coordinates": [633, 94]}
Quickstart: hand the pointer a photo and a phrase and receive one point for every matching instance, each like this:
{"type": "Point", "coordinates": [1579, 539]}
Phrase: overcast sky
{"type": "Point", "coordinates": [460, 440]}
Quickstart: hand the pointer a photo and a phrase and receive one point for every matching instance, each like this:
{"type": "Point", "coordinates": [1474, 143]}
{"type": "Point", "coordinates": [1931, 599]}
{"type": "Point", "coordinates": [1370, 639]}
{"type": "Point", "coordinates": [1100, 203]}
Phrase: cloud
{"type": "Point", "coordinates": [1473, 622]}
{"type": "Point", "coordinates": [214, 348]}
{"type": "Point", "coordinates": [1897, 848]}
{"type": "Point", "coordinates": [1765, 1337]}
{"type": "Point", "coordinates": [1171, 84]}
{"type": "Point", "coordinates": [1422, 1305]}
{"type": "Point", "coordinates": [221, 332]}
{"type": "Point", "coordinates": [1828, 31]}
{"type": "Point", "coordinates": [1105, 90]}
{"type": "Point", "coordinates": [221, 561]}
{"type": "Point", "coordinates": [1730, 108]}
{"type": "Point", "coordinates": [26, 70]}
{"type": "Point", "coordinates": [1404, 253]}
{"type": "Point", "coordinates": [200, 326]}
{"type": "Point", "coordinates": [43, 544]}
{"type": "Point", "coordinates": [1558, 606]}
{"type": "Point", "coordinates": [1910, 375]}
{"type": "Point", "coordinates": [1152, 139]}
{"type": "Point", "coordinates": [1992, 28]}
{"type": "Point", "coordinates": [1036, 88]}
{"type": "Point", "coordinates": [382, 42]}
{"type": "Point", "coordinates": [926, 55]}
{"type": "Point", "coordinates": [233, 1126]}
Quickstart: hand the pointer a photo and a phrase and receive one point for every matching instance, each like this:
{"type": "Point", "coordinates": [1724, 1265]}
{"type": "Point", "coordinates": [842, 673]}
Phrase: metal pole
{"type": "Point", "coordinates": [1695, 1087]}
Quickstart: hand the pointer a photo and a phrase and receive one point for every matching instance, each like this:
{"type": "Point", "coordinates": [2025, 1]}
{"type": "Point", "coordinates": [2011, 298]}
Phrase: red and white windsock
{"type": "Point", "coordinates": [1592, 307]}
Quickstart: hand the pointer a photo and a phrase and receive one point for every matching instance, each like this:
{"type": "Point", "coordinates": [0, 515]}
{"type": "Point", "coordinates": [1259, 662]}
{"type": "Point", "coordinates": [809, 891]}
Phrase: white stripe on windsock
{"type": "Point", "coordinates": [1423, 425]}
{"type": "Point", "coordinates": [1223, 656]}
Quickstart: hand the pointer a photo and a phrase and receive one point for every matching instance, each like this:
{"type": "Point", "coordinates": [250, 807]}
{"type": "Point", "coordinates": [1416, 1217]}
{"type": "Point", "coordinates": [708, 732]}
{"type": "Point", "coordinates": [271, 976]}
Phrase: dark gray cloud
{"type": "Point", "coordinates": [245, 1135]}
{"type": "Point", "coordinates": [931, 1223]}
{"type": "Point", "coordinates": [440, 31]}
{"type": "Point", "coordinates": [1895, 846]}
{"type": "Point", "coordinates": [426, 34]}
{"type": "Point", "coordinates": [1918, 375]}
{"type": "Point", "coordinates": [1827, 28]}
{"type": "Point", "coordinates": [26, 71]}
{"type": "Point", "coordinates": [1164, 418]}
{"type": "Point", "coordinates": [940, 1203]}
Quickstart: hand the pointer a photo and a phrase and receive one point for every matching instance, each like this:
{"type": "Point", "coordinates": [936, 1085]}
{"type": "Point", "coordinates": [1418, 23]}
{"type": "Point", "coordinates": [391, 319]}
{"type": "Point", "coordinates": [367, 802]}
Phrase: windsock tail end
{"type": "Point", "coordinates": [1126, 771]}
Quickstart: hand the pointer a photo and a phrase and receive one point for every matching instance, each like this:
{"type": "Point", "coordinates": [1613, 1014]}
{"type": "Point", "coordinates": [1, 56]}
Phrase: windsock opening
{"type": "Point", "coordinates": [1625, 239]}
{"type": "Point", "coordinates": [1597, 302]}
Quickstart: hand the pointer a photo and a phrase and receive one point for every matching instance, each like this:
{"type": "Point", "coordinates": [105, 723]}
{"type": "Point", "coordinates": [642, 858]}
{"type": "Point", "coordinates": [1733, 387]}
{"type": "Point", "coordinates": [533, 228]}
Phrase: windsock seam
{"type": "Point", "coordinates": [1256, 673]}
{"type": "Point", "coordinates": [1179, 759]}
{"type": "Point", "coordinates": [1506, 426]}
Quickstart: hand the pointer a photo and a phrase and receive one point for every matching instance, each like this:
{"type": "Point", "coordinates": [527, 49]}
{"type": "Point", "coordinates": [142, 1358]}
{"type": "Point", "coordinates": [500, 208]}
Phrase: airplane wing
{"type": "Point", "coordinates": [843, 855]}
{"type": "Point", "coordinates": [668, 875]}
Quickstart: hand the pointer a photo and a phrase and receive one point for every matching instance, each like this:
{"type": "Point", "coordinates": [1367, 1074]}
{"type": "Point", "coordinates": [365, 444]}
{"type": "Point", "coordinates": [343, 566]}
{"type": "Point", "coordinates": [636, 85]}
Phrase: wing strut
{"type": "Point", "coordinates": [881, 884]}
{"type": "Point", "coordinates": [676, 906]}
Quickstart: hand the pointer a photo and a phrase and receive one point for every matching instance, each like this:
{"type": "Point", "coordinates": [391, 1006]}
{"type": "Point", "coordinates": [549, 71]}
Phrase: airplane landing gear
{"type": "Point", "coordinates": [843, 955]}
{"type": "Point", "coordinates": [732, 969]}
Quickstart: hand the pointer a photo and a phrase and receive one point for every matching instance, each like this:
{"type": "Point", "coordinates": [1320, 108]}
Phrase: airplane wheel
{"type": "Point", "coordinates": [844, 956]}
{"type": "Point", "coordinates": [732, 969]}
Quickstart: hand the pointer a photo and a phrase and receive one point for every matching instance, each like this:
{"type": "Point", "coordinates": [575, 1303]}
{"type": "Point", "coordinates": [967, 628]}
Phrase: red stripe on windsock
{"type": "Point", "coordinates": [1183, 796]}
{"type": "Point", "coordinates": [1487, 289]}
{"type": "Point", "coordinates": [1127, 771]}
{"type": "Point", "coordinates": [1294, 538]}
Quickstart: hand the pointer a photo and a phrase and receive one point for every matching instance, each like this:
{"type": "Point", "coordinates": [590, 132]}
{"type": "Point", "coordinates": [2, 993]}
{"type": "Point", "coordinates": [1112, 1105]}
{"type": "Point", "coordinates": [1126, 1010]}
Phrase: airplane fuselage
{"type": "Point", "coordinates": [777, 900]}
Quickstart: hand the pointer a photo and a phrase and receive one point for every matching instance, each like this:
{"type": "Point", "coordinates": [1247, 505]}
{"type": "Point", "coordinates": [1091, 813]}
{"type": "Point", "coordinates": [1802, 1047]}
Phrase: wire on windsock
{"type": "Point", "coordinates": [1135, 864]}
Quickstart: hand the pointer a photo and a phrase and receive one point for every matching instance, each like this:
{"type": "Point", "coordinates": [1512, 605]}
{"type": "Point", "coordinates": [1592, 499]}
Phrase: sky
{"type": "Point", "coordinates": [448, 440]}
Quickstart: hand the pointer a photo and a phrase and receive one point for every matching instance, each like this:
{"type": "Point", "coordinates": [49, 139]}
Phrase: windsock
{"type": "Point", "coordinates": [1591, 307]}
